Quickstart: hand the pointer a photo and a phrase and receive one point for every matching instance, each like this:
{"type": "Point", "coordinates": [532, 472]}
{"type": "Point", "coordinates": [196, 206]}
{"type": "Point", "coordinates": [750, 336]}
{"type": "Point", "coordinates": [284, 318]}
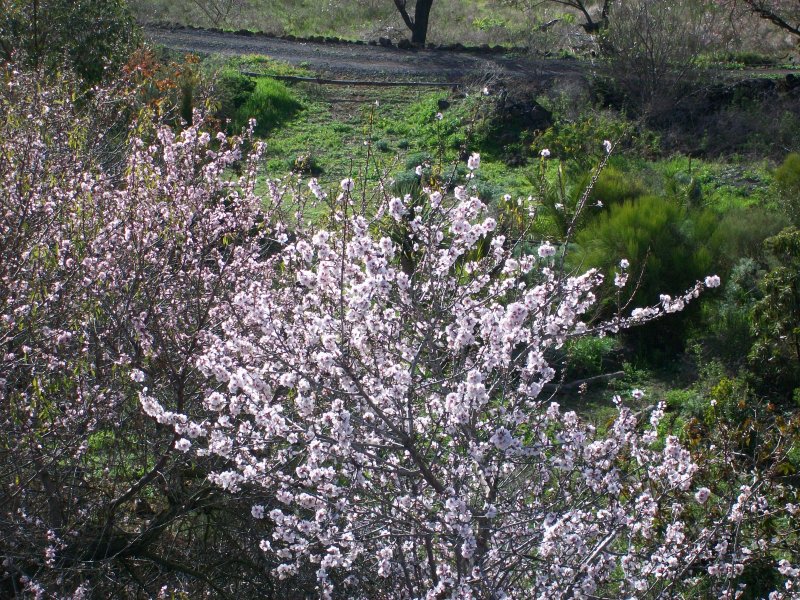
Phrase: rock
{"type": "Point", "coordinates": [405, 44]}
{"type": "Point", "coordinates": [385, 42]}
{"type": "Point", "coordinates": [523, 113]}
{"type": "Point", "coordinates": [443, 104]}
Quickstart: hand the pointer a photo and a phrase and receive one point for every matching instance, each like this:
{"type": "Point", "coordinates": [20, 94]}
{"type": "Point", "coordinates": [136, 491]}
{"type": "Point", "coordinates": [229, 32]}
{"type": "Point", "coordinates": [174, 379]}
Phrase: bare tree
{"type": "Point", "coordinates": [593, 24]}
{"type": "Point", "coordinates": [218, 12]}
{"type": "Point", "coordinates": [782, 13]}
{"type": "Point", "coordinates": [419, 23]}
{"type": "Point", "coordinates": [651, 46]}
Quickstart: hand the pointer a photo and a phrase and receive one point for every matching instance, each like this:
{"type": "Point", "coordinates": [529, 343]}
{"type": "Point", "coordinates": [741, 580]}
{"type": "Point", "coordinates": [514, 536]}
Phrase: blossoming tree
{"type": "Point", "coordinates": [385, 390]}
{"type": "Point", "coordinates": [375, 388]}
{"type": "Point", "coordinates": [107, 282]}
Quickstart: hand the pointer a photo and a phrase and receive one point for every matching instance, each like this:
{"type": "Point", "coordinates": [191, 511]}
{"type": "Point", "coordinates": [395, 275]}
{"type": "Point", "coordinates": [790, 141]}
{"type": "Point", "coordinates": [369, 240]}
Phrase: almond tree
{"type": "Point", "coordinates": [385, 393]}
{"type": "Point", "coordinates": [205, 392]}
{"type": "Point", "coordinates": [107, 282]}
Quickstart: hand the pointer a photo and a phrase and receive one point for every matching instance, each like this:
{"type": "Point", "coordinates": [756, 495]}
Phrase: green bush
{"type": "Point", "coordinates": [775, 355]}
{"type": "Point", "coordinates": [581, 141]}
{"type": "Point", "coordinates": [232, 90]}
{"type": "Point", "coordinates": [406, 182]}
{"type": "Point", "coordinates": [685, 401]}
{"type": "Point", "coordinates": [271, 103]}
{"type": "Point", "coordinates": [488, 192]}
{"type": "Point", "coordinates": [562, 193]}
{"type": "Point", "coordinates": [416, 159]}
{"type": "Point", "coordinates": [726, 326]}
{"type": "Point", "coordinates": [590, 356]}
{"type": "Point", "coordinates": [741, 233]}
{"type": "Point", "coordinates": [616, 187]}
{"type": "Point", "coordinates": [666, 245]}
{"type": "Point", "coordinates": [656, 235]}
{"type": "Point", "coordinates": [89, 36]}
{"type": "Point", "coordinates": [787, 184]}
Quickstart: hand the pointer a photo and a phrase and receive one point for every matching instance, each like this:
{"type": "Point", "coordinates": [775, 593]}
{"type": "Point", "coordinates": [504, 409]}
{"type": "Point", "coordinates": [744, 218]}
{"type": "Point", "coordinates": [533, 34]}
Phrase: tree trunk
{"type": "Point", "coordinates": [419, 32]}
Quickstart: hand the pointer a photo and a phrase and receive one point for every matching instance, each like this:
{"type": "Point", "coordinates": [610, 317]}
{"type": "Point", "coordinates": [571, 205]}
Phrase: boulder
{"type": "Point", "coordinates": [523, 113]}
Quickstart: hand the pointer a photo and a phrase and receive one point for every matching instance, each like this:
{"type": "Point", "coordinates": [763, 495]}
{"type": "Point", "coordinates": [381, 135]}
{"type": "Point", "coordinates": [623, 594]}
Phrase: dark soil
{"type": "Point", "coordinates": [361, 61]}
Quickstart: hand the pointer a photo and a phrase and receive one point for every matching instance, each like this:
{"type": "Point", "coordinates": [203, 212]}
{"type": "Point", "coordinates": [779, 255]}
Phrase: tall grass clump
{"type": "Point", "coordinates": [271, 104]}
{"type": "Point", "coordinates": [657, 235]}
{"type": "Point", "coordinates": [787, 184]}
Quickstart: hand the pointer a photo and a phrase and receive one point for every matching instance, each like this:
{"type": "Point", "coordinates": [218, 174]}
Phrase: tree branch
{"type": "Point", "coordinates": [401, 6]}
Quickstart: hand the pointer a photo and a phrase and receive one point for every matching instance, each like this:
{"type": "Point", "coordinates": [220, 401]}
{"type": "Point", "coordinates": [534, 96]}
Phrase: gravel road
{"type": "Point", "coordinates": [367, 62]}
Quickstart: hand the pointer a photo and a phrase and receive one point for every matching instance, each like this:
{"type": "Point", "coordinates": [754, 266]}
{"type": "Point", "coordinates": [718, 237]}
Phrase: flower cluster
{"type": "Point", "coordinates": [365, 399]}
{"type": "Point", "coordinates": [394, 410]}
{"type": "Point", "coordinates": [109, 273]}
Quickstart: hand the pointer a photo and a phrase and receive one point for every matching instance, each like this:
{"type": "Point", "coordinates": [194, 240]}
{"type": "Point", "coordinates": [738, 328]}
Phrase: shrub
{"type": "Point", "coordinates": [616, 187]}
{"type": "Point", "coordinates": [651, 46]}
{"type": "Point", "coordinates": [486, 191]}
{"type": "Point", "coordinates": [687, 401]}
{"type": "Point", "coordinates": [231, 91]}
{"type": "Point", "coordinates": [776, 315]}
{"type": "Point", "coordinates": [271, 103]}
{"type": "Point", "coordinates": [590, 356]}
{"type": "Point", "coordinates": [415, 159]}
{"type": "Point", "coordinates": [661, 239]}
{"type": "Point", "coordinates": [726, 328]}
{"type": "Point", "coordinates": [741, 233]}
{"type": "Point", "coordinates": [93, 37]}
{"type": "Point", "coordinates": [381, 413]}
{"type": "Point", "coordinates": [406, 182]}
{"type": "Point", "coordinates": [667, 246]}
{"type": "Point", "coordinates": [787, 184]}
{"type": "Point", "coordinates": [580, 141]}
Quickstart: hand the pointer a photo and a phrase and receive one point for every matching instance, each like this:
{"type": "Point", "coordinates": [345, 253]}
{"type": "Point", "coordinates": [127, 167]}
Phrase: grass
{"type": "Point", "coordinates": [271, 104]}
{"type": "Point", "coordinates": [379, 134]}
{"type": "Point", "coordinates": [471, 22]}
{"type": "Point", "coordinates": [258, 63]}
{"type": "Point", "coordinates": [720, 185]}
{"type": "Point", "coordinates": [742, 59]}
{"type": "Point", "coordinates": [341, 126]}
{"type": "Point", "coordinates": [332, 130]}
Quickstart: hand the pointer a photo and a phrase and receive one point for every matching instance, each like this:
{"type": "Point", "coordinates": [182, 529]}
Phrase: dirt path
{"type": "Point", "coordinates": [367, 62]}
